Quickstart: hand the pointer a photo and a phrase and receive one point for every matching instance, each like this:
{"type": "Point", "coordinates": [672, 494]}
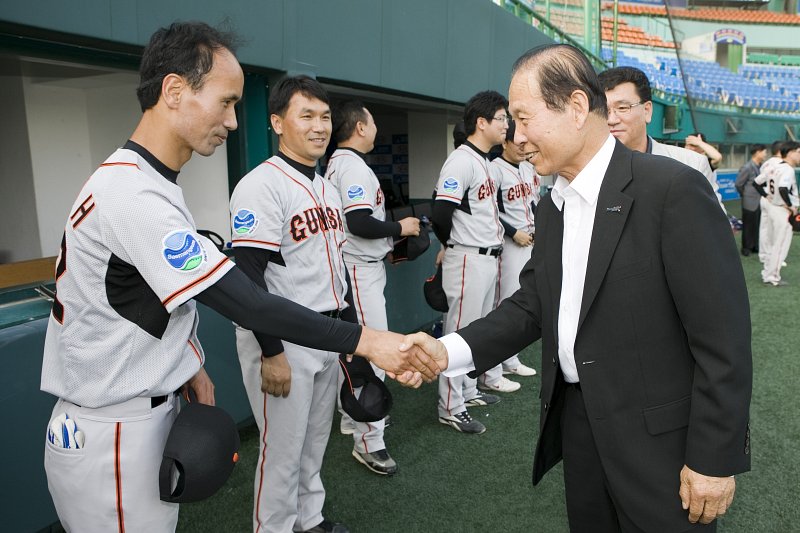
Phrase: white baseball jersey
{"type": "Point", "coordinates": [466, 180]}
{"type": "Point", "coordinates": [276, 208]}
{"type": "Point", "coordinates": [766, 175]}
{"type": "Point", "coordinates": [784, 176]}
{"type": "Point", "coordinates": [518, 186]}
{"type": "Point", "coordinates": [359, 188]}
{"type": "Point", "coordinates": [123, 323]}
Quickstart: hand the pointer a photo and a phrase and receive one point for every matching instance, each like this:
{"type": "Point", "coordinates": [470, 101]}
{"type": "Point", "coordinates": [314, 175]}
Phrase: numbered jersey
{"type": "Point", "coordinates": [518, 193]}
{"type": "Point", "coordinates": [358, 188]}
{"type": "Point", "coordinates": [466, 180]}
{"type": "Point", "coordinates": [276, 208]}
{"type": "Point", "coordinates": [784, 177]}
{"type": "Point", "coordinates": [766, 176]}
{"type": "Point", "coordinates": [123, 323]}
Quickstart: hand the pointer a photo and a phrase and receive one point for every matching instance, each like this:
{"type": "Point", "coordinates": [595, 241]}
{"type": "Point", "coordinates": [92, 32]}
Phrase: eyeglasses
{"type": "Point", "coordinates": [623, 109]}
{"type": "Point", "coordinates": [503, 118]}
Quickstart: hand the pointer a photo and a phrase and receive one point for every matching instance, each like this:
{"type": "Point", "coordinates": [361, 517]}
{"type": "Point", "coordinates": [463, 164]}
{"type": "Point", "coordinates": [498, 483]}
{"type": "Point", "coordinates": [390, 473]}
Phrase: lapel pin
{"type": "Point", "coordinates": [615, 209]}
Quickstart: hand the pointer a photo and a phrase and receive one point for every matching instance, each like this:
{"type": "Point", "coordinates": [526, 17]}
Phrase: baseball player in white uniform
{"type": "Point", "coordinates": [288, 229]}
{"type": "Point", "coordinates": [783, 186]}
{"type": "Point", "coordinates": [369, 239]}
{"type": "Point", "coordinates": [761, 183]}
{"type": "Point", "coordinates": [466, 222]}
{"type": "Point", "coordinates": [517, 196]}
{"type": "Point", "coordinates": [122, 335]}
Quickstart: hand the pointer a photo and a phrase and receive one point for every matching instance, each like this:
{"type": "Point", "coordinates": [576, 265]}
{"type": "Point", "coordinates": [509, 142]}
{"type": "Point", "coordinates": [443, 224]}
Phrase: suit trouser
{"type": "Point", "coordinates": [469, 280]}
{"type": "Point", "coordinates": [750, 228]}
{"type": "Point", "coordinates": [764, 236]}
{"type": "Point", "coordinates": [368, 281]}
{"type": "Point", "coordinates": [112, 482]}
{"type": "Point", "coordinates": [591, 505]}
{"type": "Point", "coordinates": [293, 434]}
{"type": "Point", "coordinates": [509, 265]}
{"type": "Point", "coordinates": [781, 233]}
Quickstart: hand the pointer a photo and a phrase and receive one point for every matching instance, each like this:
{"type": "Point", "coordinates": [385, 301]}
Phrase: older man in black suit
{"type": "Point", "coordinates": [637, 293]}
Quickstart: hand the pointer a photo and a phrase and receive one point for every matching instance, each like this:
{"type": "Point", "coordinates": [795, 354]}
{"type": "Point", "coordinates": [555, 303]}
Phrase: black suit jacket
{"type": "Point", "coordinates": [663, 342]}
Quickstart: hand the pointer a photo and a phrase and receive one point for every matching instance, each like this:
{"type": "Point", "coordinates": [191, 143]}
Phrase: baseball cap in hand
{"type": "Point", "coordinates": [374, 401]}
{"type": "Point", "coordinates": [794, 220]}
{"type": "Point", "coordinates": [202, 448]}
{"type": "Point", "coordinates": [434, 293]}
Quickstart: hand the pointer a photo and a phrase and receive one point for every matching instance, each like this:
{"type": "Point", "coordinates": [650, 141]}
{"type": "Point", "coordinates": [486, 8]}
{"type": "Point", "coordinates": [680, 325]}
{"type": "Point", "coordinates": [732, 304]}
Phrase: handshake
{"type": "Point", "coordinates": [409, 359]}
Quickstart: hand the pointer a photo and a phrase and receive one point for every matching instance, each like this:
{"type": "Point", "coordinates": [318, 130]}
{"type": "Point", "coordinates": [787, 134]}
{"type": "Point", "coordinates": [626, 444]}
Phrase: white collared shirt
{"type": "Point", "coordinates": [580, 199]}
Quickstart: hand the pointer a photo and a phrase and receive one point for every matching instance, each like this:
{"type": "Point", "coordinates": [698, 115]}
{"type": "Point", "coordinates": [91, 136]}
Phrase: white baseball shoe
{"type": "Point", "coordinates": [504, 385]}
{"type": "Point", "coordinates": [521, 370]}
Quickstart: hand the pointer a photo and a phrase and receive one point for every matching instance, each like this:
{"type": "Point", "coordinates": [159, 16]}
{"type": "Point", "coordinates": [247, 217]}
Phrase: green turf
{"type": "Point", "coordinates": [450, 482]}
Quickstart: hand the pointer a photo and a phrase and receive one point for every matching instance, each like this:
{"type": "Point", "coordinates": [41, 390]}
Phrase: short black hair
{"type": "Point", "coordinates": [562, 69]}
{"type": "Point", "coordinates": [613, 77]}
{"type": "Point", "coordinates": [757, 148]}
{"type": "Point", "coordinates": [345, 118]}
{"type": "Point", "coordinates": [512, 129]}
{"type": "Point", "coordinates": [789, 146]}
{"type": "Point", "coordinates": [184, 48]}
{"type": "Point", "coordinates": [459, 135]}
{"type": "Point", "coordinates": [281, 94]}
{"type": "Point", "coordinates": [776, 147]}
{"type": "Point", "coordinates": [484, 104]}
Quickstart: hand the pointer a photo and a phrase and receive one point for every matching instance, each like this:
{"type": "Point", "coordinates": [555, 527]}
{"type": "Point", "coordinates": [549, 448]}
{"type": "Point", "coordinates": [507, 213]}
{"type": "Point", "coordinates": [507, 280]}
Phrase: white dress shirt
{"type": "Point", "coordinates": [580, 199]}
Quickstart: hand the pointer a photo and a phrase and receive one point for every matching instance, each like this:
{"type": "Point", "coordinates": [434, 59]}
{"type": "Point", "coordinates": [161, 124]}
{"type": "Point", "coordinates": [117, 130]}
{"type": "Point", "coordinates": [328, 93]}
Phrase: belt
{"type": "Point", "coordinates": [575, 386]}
{"type": "Point", "coordinates": [155, 401]}
{"type": "Point", "coordinates": [493, 252]}
{"type": "Point", "coordinates": [336, 313]}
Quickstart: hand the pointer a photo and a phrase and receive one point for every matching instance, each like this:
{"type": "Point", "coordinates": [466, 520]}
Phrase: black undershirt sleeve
{"type": "Point", "coordinates": [236, 297]}
{"type": "Point", "coordinates": [785, 195]}
{"type": "Point", "coordinates": [508, 229]}
{"type": "Point", "coordinates": [442, 218]}
{"type": "Point", "coordinates": [760, 188]}
{"type": "Point", "coordinates": [253, 262]}
{"type": "Point", "coordinates": [361, 222]}
{"type": "Point", "coordinates": [349, 314]}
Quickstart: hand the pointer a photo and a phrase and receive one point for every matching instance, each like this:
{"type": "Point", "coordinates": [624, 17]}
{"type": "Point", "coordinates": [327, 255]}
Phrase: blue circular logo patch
{"type": "Point", "coordinates": [183, 251]}
{"type": "Point", "coordinates": [450, 185]}
{"type": "Point", "coordinates": [244, 222]}
{"type": "Point", "coordinates": [356, 192]}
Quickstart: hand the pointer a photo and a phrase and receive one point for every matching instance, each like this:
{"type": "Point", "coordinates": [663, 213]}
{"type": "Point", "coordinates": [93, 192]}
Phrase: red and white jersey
{"type": "Point", "coordinates": [518, 188]}
{"type": "Point", "coordinates": [277, 208]}
{"type": "Point", "coordinates": [123, 323]}
{"type": "Point", "coordinates": [466, 180]}
{"type": "Point", "coordinates": [358, 188]}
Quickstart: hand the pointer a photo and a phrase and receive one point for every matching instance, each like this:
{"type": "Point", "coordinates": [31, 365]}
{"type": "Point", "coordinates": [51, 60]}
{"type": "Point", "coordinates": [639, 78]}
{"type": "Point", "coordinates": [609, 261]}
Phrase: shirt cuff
{"type": "Point", "coordinates": [459, 355]}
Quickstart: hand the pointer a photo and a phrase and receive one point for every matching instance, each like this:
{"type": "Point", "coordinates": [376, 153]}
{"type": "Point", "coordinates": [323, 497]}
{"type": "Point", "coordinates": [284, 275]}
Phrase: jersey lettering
{"type": "Point", "coordinates": [314, 220]}
{"type": "Point", "coordinates": [487, 190]}
{"type": "Point", "coordinates": [82, 212]}
{"type": "Point", "coordinates": [379, 197]}
{"type": "Point", "coordinates": [61, 267]}
{"type": "Point", "coordinates": [521, 191]}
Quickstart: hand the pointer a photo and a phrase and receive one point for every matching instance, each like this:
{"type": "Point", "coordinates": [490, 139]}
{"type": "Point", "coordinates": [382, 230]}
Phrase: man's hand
{"type": "Point", "coordinates": [276, 375]}
{"type": "Point", "coordinates": [409, 226]}
{"type": "Point", "coordinates": [202, 386]}
{"type": "Point", "coordinates": [439, 258]}
{"type": "Point", "coordinates": [522, 238]}
{"type": "Point", "coordinates": [705, 497]}
{"type": "Point", "coordinates": [432, 348]}
{"type": "Point", "coordinates": [382, 348]}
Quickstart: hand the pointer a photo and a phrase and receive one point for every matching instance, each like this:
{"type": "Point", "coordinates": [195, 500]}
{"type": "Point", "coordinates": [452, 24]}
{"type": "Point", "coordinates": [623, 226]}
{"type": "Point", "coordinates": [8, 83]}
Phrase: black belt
{"type": "Point", "coordinates": [494, 252]}
{"type": "Point", "coordinates": [155, 401]}
{"type": "Point", "coordinates": [576, 386]}
{"type": "Point", "coordinates": [336, 313]}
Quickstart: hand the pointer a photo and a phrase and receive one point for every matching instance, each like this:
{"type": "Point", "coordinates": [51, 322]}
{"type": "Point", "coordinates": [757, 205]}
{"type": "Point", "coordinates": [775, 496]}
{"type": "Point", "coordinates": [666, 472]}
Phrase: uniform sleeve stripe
{"type": "Point", "coordinates": [358, 206]}
{"type": "Point", "coordinates": [201, 279]}
{"type": "Point", "coordinates": [449, 198]}
{"type": "Point", "coordinates": [236, 241]}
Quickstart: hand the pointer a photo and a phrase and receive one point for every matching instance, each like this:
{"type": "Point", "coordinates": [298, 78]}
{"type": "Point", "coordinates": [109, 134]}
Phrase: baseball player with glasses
{"type": "Point", "coordinates": [466, 222]}
{"type": "Point", "coordinates": [369, 239]}
{"type": "Point", "coordinates": [517, 196]}
{"type": "Point", "coordinates": [122, 335]}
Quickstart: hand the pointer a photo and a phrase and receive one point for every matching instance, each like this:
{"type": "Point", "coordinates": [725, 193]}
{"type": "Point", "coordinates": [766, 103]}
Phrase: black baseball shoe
{"type": "Point", "coordinates": [379, 462]}
{"type": "Point", "coordinates": [326, 526]}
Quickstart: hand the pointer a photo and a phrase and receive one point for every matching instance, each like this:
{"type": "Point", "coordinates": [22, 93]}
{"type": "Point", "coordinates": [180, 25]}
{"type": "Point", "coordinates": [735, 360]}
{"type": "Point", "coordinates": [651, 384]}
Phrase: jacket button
{"type": "Point", "coordinates": [554, 361]}
{"type": "Point", "coordinates": [546, 405]}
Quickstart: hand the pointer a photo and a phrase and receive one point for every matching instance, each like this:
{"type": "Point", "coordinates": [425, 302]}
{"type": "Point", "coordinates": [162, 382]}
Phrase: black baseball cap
{"type": "Point", "coordinates": [202, 449]}
{"type": "Point", "coordinates": [434, 292]}
{"type": "Point", "coordinates": [374, 401]}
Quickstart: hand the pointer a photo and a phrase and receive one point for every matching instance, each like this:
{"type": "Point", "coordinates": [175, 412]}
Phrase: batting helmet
{"type": "Point", "coordinates": [202, 449]}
